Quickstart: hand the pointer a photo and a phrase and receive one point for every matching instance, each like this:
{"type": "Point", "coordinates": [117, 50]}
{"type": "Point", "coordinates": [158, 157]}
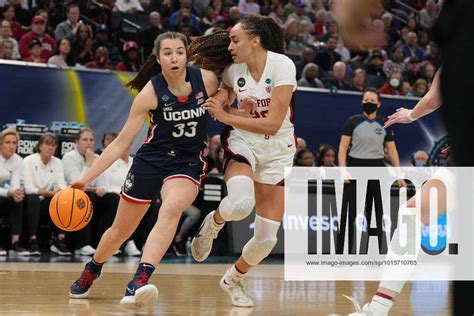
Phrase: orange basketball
{"type": "Point", "coordinates": [70, 209]}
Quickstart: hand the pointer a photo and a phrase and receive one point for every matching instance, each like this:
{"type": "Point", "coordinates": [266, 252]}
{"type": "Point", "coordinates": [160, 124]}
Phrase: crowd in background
{"type": "Point", "coordinates": [93, 34]}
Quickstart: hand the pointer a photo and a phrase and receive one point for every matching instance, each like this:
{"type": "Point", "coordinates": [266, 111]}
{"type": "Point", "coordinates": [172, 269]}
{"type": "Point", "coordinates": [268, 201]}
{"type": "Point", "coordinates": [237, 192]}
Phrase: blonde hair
{"type": "Point", "coordinates": [7, 132]}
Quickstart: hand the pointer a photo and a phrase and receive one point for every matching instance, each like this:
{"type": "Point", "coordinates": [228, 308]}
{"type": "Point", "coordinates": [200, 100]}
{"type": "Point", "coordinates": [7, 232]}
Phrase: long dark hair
{"type": "Point", "coordinates": [70, 60]}
{"type": "Point", "coordinates": [211, 51]}
{"type": "Point", "coordinates": [151, 66]}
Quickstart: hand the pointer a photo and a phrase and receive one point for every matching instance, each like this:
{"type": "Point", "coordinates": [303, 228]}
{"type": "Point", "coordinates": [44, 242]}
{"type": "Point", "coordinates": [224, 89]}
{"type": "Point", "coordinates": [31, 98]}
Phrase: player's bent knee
{"type": "Point", "coordinates": [240, 201]}
{"type": "Point", "coordinates": [256, 250]}
{"type": "Point", "coordinates": [263, 241]}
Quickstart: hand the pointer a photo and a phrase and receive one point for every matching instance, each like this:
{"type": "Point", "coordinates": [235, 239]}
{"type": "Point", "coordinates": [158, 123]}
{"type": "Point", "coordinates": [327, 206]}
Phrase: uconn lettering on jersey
{"type": "Point", "coordinates": [183, 115]}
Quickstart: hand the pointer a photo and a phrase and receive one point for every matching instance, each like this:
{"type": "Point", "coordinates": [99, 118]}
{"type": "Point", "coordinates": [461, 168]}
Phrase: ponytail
{"type": "Point", "coordinates": [211, 52]}
{"type": "Point", "coordinates": [270, 33]}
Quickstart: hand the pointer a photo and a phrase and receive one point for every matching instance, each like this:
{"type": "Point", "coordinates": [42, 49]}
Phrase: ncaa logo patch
{"type": "Point", "coordinates": [379, 131]}
{"type": "Point", "coordinates": [268, 81]}
{"type": "Point", "coordinates": [129, 182]}
{"type": "Point", "coordinates": [241, 82]}
{"type": "Point", "coordinates": [165, 98]}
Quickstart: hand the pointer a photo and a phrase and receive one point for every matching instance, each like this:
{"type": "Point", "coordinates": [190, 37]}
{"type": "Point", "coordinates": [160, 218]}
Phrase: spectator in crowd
{"type": "Point", "coordinates": [127, 6]}
{"type": "Point", "coordinates": [428, 72]}
{"type": "Point", "coordinates": [300, 143]}
{"type": "Point", "coordinates": [395, 63]}
{"type": "Point", "coordinates": [308, 56]}
{"type": "Point", "coordinates": [342, 50]}
{"type": "Point", "coordinates": [293, 42]}
{"type": "Point", "coordinates": [68, 28]}
{"type": "Point", "coordinates": [328, 56]}
{"type": "Point", "coordinates": [34, 52]}
{"type": "Point", "coordinates": [248, 7]}
{"type": "Point", "coordinates": [290, 7]}
{"type": "Point", "coordinates": [6, 34]}
{"type": "Point", "coordinates": [358, 82]}
{"type": "Point", "coordinates": [278, 14]}
{"type": "Point", "coordinates": [149, 34]}
{"type": "Point", "coordinates": [111, 183]}
{"type": "Point", "coordinates": [419, 89]}
{"type": "Point", "coordinates": [394, 85]}
{"type": "Point", "coordinates": [412, 70]}
{"type": "Point", "coordinates": [406, 87]}
{"type": "Point", "coordinates": [428, 15]}
{"type": "Point", "coordinates": [304, 158]}
{"type": "Point", "coordinates": [82, 45]}
{"type": "Point", "coordinates": [305, 30]}
{"type": "Point", "coordinates": [131, 59]}
{"type": "Point", "coordinates": [375, 75]}
{"type": "Point", "coordinates": [338, 77]}
{"type": "Point", "coordinates": [102, 60]}
{"type": "Point", "coordinates": [432, 55]}
{"type": "Point", "coordinates": [11, 193]}
{"type": "Point", "coordinates": [45, 15]}
{"type": "Point", "coordinates": [300, 13]}
{"type": "Point", "coordinates": [309, 77]}
{"type": "Point", "coordinates": [423, 41]}
{"type": "Point", "coordinates": [403, 36]}
{"type": "Point", "coordinates": [411, 49]}
{"type": "Point", "coordinates": [43, 176]}
{"type": "Point", "coordinates": [38, 26]}
{"type": "Point", "coordinates": [217, 9]}
{"type": "Point", "coordinates": [6, 50]}
{"type": "Point", "coordinates": [192, 219]}
{"type": "Point", "coordinates": [420, 159]}
{"type": "Point", "coordinates": [21, 14]}
{"type": "Point", "coordinates": [391, 33]}
{"type": "Point", "coordinates": [327, 156]}
{"type": "Point", "coordinates": [102, 39]}
{"type": "Point", "coordinates": [320, 25]}
{"type": "Point", "coordinates": [412, 25]}
{"type": "Point", "coordinates": [107, 138]}
{"type": "Point", "coordinates": [9, 15]}
{"type": "Point", "coordinates": [64, 57]}
{"type": "Point", "coordinates": [332, 29]}
{"type": "Point", "coordinates": [187, 5]}
{"type": "Point", "coordinates": [233, 18]}
{"type": "Point", "coordinates": [76, 163]}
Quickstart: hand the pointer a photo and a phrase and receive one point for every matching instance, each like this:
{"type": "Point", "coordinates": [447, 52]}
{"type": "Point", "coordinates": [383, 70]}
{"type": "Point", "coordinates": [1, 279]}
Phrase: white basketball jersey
{"type": "Point", "coordinates": [279, 70]}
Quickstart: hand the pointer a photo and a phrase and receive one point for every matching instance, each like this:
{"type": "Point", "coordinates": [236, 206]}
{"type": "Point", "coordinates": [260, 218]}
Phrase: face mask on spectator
{"type": "Point", "coordinates": [369, 107]}
{"type": "Point", "coordinates": [420, 163]}
{"type": "Point", "coordinates": [394, 82]}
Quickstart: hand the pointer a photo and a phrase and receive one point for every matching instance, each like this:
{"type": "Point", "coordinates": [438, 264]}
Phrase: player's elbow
{"type": "Point", "coordinates": [272, 130]}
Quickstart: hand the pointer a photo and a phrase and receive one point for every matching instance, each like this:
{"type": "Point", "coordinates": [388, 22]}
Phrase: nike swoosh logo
{"type": "Point", "coordinates": [147, 265]}
{"type": "Point", "coordinates": [226, 282]}
{"type": "Point", "coordinates": [242, 90]}
{"type": "Point", "coordinates": [199, 231]}
{"type": "Point", "coordinates": [131, 291]}
{"type": "Point", "coordinates": [290, 145]}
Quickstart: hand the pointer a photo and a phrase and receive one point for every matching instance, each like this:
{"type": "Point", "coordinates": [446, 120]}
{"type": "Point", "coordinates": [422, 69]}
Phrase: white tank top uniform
{"type": "Point", "coordinates": [267, 155]}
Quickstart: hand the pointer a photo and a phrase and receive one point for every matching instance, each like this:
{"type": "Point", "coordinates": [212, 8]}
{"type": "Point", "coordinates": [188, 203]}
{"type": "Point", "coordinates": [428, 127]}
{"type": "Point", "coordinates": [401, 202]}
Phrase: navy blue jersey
{"type": "Point", "coordinates": [178, 125]}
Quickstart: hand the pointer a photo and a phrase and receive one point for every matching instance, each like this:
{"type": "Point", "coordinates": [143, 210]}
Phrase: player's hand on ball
{"type": "Point", "coordinates": [400, 116]}
{"type": "Point", "coordinates": [80, 184]}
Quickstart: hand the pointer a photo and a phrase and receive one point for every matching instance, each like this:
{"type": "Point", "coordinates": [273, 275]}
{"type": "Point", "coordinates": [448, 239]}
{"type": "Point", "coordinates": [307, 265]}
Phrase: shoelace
{"type": "Point", "coordinates": [355, 302]}
{"type": "Point", "coordinates": [86, 279]}
{"type": "Point", "coordinates": [143, 279]}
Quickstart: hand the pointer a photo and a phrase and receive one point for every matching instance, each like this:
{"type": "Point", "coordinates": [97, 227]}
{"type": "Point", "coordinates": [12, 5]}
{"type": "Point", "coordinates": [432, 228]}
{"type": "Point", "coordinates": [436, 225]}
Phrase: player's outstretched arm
{"type": "Point", "coordinates": [144, 102]}
{"type": "Point", "coordinates": [428, 104]}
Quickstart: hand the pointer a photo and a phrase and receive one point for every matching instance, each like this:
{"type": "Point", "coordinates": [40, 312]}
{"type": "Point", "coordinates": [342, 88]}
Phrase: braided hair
{"type": "Point", "coordinates": [211, 51]}
{"type": "Point", "coordinates": [151, 66]}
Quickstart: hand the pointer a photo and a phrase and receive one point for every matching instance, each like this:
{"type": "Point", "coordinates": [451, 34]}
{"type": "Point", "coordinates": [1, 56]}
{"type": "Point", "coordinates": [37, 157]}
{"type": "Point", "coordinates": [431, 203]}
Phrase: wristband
{"type": "Point", "coordinates": [411, 118]}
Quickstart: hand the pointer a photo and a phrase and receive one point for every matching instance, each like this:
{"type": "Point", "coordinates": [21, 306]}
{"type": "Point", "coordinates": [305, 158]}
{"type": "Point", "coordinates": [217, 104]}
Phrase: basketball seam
{"type": "Point", "coordinates": [85, 214]}
{"type": "Point", "coordinates": [72, 208]}
{"type": "Point", "coordinates": [57, 209]}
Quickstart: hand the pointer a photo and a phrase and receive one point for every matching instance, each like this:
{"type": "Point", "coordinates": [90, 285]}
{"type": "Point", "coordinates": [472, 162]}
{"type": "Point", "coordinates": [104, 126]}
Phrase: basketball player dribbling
{"type": "Point", "coordinates": [257, 147]}
{"type": "Point", "coordinates": [170, 159]}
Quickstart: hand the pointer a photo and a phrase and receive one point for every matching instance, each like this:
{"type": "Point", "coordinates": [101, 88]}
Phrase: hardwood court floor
{"type": "Point", "coordinates": [193, 289]}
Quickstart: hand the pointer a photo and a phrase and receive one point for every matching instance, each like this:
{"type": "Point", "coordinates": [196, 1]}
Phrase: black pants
{"type": "Point", "coordinates": [105, 215]}
{"type": "Point", "coordinates": [355, 162]}
{"type": "Point", "coordinates": [454, 33]}
{"type": "Point", "coordinates": [35, 208]}
{"type": "Point", "coordinates": [15, 213]}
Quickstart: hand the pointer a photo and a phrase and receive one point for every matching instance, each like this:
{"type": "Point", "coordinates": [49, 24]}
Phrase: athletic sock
{"type": "Point", "coordinates": [94, 266]}
{"type": "Point", "coordinates": [381, 303]}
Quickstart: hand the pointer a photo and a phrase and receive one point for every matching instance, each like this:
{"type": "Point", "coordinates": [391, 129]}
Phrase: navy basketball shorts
{"type": "Point", "coordinates": [145, 178]}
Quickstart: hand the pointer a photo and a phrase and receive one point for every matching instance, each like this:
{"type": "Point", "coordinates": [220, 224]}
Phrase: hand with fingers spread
{"type": "Point", "coordinates": [402, 116]}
